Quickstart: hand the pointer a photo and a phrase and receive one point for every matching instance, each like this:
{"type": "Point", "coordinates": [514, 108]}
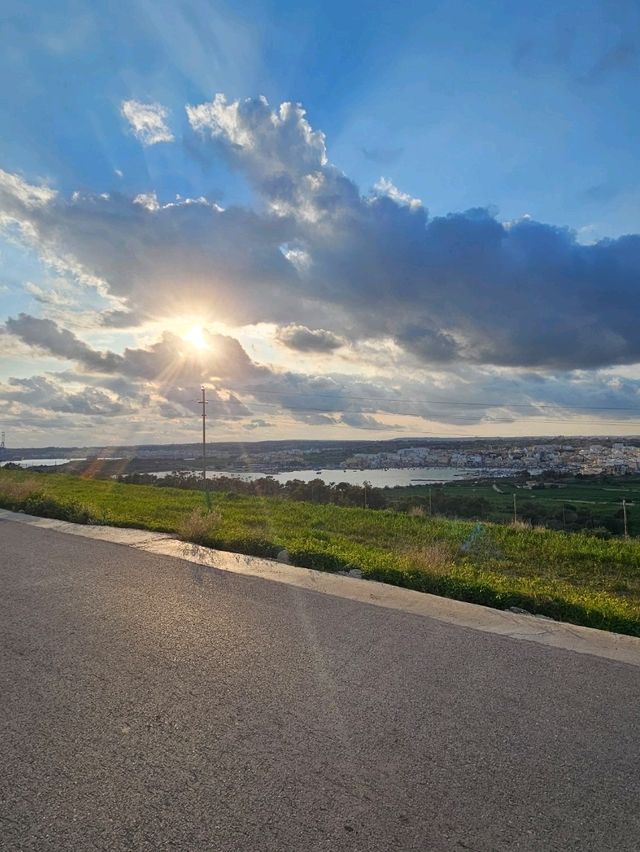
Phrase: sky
{"type": "Point", "coordinates": [346, 220]}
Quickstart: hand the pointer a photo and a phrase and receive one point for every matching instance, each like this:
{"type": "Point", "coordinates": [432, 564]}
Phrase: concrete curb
{"type": "Point", "coordinates": [555, 634]}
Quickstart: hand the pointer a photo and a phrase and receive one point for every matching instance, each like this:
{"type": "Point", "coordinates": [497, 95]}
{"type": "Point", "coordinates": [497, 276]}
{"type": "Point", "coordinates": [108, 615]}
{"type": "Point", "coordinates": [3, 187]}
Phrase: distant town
{"type": "Point", "coordinates": [594, 458]}
{"type": "Point", "coordinates": [498, 457]}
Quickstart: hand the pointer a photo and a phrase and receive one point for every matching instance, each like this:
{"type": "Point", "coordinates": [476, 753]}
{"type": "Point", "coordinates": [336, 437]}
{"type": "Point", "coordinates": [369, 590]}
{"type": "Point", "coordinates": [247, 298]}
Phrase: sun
{"type": "Point", "coordinates": [196, 337]}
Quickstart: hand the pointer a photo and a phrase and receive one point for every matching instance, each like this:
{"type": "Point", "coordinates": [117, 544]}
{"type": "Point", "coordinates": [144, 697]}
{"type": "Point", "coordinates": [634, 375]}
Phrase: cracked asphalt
{"type": "Point", "coordinates": [148, 703]}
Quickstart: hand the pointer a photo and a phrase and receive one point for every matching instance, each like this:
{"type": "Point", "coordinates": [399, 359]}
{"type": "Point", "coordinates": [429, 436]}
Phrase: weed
{"type": "Point", "coordinates": [13, 492]}
{"type": "Point", "coordinates": [199, 526]}
{"type": "Point", "coordinates": [437, 557]}
{"type": "Point", "coordinates": [520, 525]}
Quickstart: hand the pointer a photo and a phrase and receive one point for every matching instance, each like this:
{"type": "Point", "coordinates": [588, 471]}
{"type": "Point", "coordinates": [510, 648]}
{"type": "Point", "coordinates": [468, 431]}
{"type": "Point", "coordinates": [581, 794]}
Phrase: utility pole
{"type": "Point", "coordinates": [365, 494]}
{"type": "Point", "coordinates": [624, 515]}
{"type": "Point", "coordinates": [203, 402]}
{"type": "Point", "coordinates": [430, 505]}
{"type": "Point", "coordinates": [515, 509]}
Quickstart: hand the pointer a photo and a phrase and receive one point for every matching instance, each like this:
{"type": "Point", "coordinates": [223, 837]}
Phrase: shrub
{"type": "Point", "coordinates": [13, 492]}
{"type": "Point", "coordinates": [199, 526]}
{"type": "Point", "coordinates": [48, 507]}
{"type": "Point", "coordinates": [435, 558]}
{"type": "Point", "coordinates": [417, 512]}
{"type": "Point", "coordinates": [307, 558]}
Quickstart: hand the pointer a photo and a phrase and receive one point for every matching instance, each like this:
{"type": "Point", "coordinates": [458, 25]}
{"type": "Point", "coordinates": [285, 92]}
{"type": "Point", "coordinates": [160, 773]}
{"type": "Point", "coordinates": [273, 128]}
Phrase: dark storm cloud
{"type": "Point", "coordinates": [453, 289]}
{"type": "Point", "coordinates": [304, 339]}
{"type": "Point", "coordinates": [46, 335]}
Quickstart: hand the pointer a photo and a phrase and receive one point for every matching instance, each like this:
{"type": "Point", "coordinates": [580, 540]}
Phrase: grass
{"type": "Point", "coordinates": [572, 577]}
{"type": "Point", "coordinates": [599, 497]}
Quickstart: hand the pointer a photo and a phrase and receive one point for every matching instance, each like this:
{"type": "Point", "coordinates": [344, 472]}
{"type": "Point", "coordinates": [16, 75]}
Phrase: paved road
{"type": "Point", "coordinates": [149, 703]}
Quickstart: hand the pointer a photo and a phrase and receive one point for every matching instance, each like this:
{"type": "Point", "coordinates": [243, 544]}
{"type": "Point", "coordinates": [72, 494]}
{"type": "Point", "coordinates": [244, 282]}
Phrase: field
{"type": "Point", "coordinates": [573, 577]}
{"type": "Point", "coordinates": [566, 503]}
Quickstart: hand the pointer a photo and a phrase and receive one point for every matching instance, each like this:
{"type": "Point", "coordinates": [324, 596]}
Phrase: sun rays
{"type": "Point", "coordinates": [196, 337]}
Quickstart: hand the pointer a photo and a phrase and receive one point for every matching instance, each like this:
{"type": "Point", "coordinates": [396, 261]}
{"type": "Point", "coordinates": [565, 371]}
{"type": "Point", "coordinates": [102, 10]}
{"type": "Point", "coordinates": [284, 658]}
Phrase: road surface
{"type": "Point", "coordinates": [149, 703]}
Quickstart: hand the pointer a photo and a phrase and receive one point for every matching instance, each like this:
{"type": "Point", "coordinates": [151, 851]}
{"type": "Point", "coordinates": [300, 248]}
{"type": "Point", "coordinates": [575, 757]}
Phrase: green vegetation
{"type": "Point", "coordinates": [557, 501]}
{"type": "Point", "coordinates": [575, 577]}
{"type": "Point", "coordinates": [592, 503]}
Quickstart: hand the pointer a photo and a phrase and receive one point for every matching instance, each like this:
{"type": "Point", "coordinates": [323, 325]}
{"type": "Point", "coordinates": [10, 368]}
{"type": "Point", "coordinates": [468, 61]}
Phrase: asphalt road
{"type": "Point", "coordinates": [149, 703]}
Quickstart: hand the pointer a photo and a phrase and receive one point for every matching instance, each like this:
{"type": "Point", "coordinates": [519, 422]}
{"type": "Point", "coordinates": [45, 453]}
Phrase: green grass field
{"type": "Point", "coordinates": [577, 577]}
{"type": "Point", "coordinates": [596, 499]}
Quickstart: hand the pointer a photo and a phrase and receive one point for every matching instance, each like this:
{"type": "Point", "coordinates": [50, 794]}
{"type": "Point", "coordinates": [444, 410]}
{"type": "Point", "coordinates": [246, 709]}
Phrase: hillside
{"type": "Point", "coordinates": [572, 577]}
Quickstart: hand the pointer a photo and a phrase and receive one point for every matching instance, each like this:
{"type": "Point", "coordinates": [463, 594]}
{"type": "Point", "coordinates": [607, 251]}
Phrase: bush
{"type": "Point", "coordinates": [199, 526]}
{"type": "Point", "coordinates": [417, 512]}
{"type": "Point", "coordinates": [306, 558]}
{"type": "Point", "coordinates": [25, 496]}
{"type": "Point", "coordinates": [48, 507]}
{"type": "Point", "coordinates": [435, 558]}
{"type": "Point", "coordinates": [13, 493]}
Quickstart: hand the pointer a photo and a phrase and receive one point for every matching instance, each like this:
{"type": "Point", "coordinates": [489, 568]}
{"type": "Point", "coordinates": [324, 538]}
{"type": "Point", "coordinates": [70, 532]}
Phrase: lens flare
{"type": "Point", "coordinates": [196, 337]}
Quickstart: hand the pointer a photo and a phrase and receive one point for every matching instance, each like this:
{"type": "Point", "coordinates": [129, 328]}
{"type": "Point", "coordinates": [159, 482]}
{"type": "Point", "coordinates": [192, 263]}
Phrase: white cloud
{"type": "Point", "coordinates": [148, 121]}
{"type": "Point", "coordinates": [14, 189]}
{"type": "Point", "coordinates": [279, 149]}
{"type": "Point", "coordinates": [148, 200]}
{"type": "Point", "coordinates": [385, 187]}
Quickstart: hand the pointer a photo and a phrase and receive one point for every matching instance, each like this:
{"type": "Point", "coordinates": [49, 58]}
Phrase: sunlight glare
{"type": "Point", "coordinates": [195, 336]}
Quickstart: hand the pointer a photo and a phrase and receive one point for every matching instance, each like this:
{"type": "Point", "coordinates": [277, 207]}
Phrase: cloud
{"type": "Point", "coordinates": [119, 319]}
{"type": "Point", "coordinates": [459, 289]}
{"type": "Point", "coordinates": [464, 287]}
{"type": "Point", "coordinates": [365, 421]}
{"type": "Point", "coordinates": [161, 380]}
{"type": "Point", "coordinates": [257, 423]}
{"type": "Point", "coordinates": [268, 142]}
{"type": "Point", "coordinates": [147, 121]}
{"type": "Point", "coordinates": [304, 339]}
{"type": "Point", "coordinates": [44, 334]}
{"type": "Point", "coordinates": [384, 187]}
{"type": "Point", "coordinates": [13, 189]}
{"type": "Point", "coordinates": [175, 257]}
{"type": "Point", "coordinates": [46, 394]}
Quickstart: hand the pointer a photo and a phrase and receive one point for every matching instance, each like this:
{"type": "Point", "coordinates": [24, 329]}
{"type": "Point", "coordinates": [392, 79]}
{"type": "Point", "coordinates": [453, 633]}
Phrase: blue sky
{"type": "Point", "coordinates": [533, 109]}
{"type": "Point", "coordinates": [528, 112]}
